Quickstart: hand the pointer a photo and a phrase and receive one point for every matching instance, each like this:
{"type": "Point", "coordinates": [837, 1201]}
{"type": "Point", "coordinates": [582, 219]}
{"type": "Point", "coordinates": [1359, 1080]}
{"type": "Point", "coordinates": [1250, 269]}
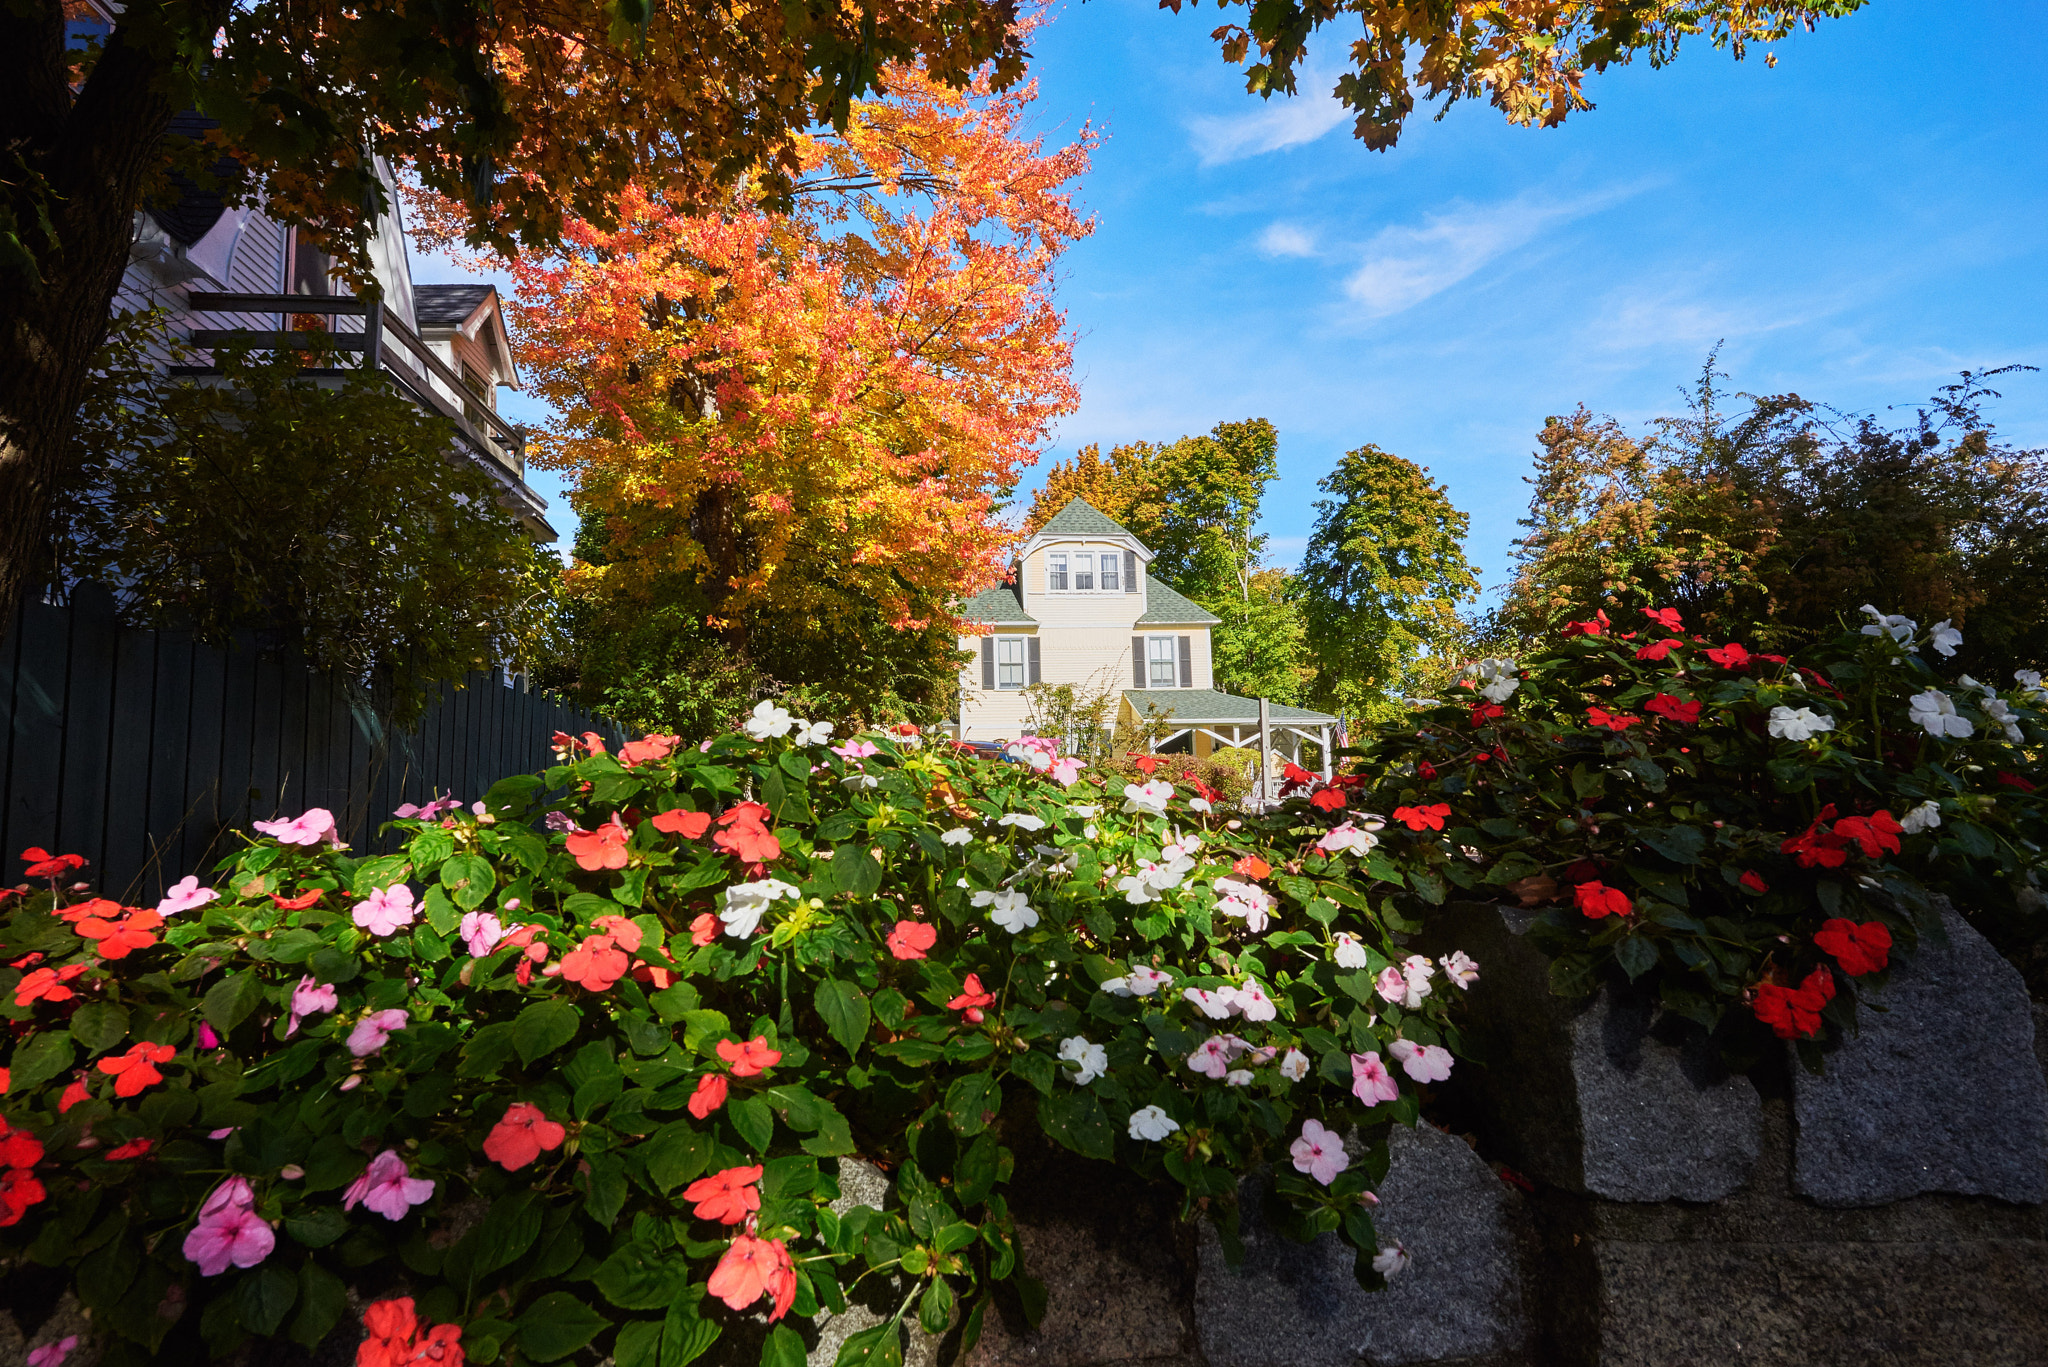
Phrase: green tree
{"type": "Point", "coordinates": [1381, 581]}
{"type": "Point", "coordinates": [332, 519]}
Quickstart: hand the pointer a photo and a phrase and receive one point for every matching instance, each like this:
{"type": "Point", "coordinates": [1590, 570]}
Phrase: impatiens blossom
{"type": "Point", "coordinates": [1152, 1123]}
{"type": "Point", "coordinates": [135, 1071]}
{"type": "Point", "coordinates": [857, 750]}
{"type": "Point", "coordinates": [53, 1354]}
{"type": "Point", "coordinates": [480, 932]}
{"type": "Point", "coordinates": [388, 1187]}
{"type": "Point", "coordinates": [1494, 677]}
{"type": "Point", "coordinates": [521, 1135]}
{"type": "Point", "coordinates": [184, 895]}
{"type": "Point", "coordinates": [1897, 627]}
{"type": "Point", "coordinates": [1248, 902]}
{"type": "Point", "coordinates": [1037, 751]}
{"type": "Point", "coordinates": [709, 1096]}
{"type": "Point", "coordinates": [727, 1197]}
{"type": "Point", "coordinates": [769, 721]}
{"type": "Point", "coordinates": [1803, 723]}
{"type": "Point", "coordinates": [1151, 798]}
{"type": "Point", "coordinates": [231, 1234]}
{"type": "Point", "coordinates": [1319, 1152]}
{"type": "Point", "coordinates": [1092, 1060]}
{"type": "Point", "coordinates": [385, 911]}
{"type": "Point", "coordinates": [1350, 951]}
{"type": "Point", "coordinates": [394, 1337]}
{"type": "Point", "coordinates": [1067, 771]}
{"type": "Point", "coordinates": [1294, 1067]}
{"type": "Point", "coordinates": [1459, 968]}
{"type": "Point", "coordinates": [1934, 712]}
{"type": "Point", "coordinates": [1212, 1058]}
{"type": "Point", "coordinates": [752, 1268]}
{"type": "Point", "coordinates": [310, 998]}
{"type": "Point", "coordinates": [1252, 1002]}
{"type": "Point", "coordinates": [1009, 909]}
{"type": "Point", "coordinates": [1924, 817]}
{"type": "Point", "coordinates": [1595, 899]}
{"type": "Point", "coordinates": [603, 849]}
{"type": "Point", "coordinates": [2030, 680]}
{"type": "Point", "coordinates": [912, 939]}
{"type": "Point", "coordinates": [2000, 711]}
{"type": "Point", "coordinates": [1392, 1260]}
{"type": "Point", "coordinates": [1215, 1005]}
{"type": "Point", "coordinates": [1349, 839]}
{"type": "Point", "coordinates": [813, 732]}
{"type": "Point", "coordinates": [1407, 984]}
{"type": "Point", "coordinates": [745, 903]}
{"type": "Point", "coordinates": [1858, 949]}
{"type": "Point", "coordinates": [1141, 981]}
{"type": "Point", "coordinates": [749, 1058]}
{"type": "Point", "coordinates": [973, 997]}
{"type": "Point", "coordinates": [1023, 821]}
{"type": "Point", "coordinates": [1944, 638]}
{"type": "Point", "coordinates": [1371, 1083]}
{"type": "Point", "coordinates": [309, 828]}
{"type": "Point", "coordinates": [959, 835]}
{"type": "Point", "coordinates": [1795, 1012]}
{"type": "Point", "coordinates": [1429, 818]}
{"type": "Point", "coordinates": [372, 1031]}
{"type": "Point", "coordinates": [1423, 1062]}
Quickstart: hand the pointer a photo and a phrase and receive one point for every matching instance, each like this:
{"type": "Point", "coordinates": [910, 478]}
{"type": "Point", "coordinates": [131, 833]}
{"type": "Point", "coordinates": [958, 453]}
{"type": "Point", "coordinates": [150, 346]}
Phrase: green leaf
{"type": "Point", "coordinates": [99, 1026]}
{"type": "Point", "coordinates": [1679, 844]}
{"type": "Point", "coordinates": [543, 1028]}
{"type": "Point", "coordinates": [444, 918]}
{"type": "Point", "coordinates": [935, 1309]}
{"type": "Point", "coordinates": [685, 1335]}
{"type": "Point", "coordinates": [557, 1325]}
{"type": "Point", "coordinates": [1075, 1119]}
{"type": "Point", "coordinates": [676, 1154]}
{"type": "Point", "coordinates": [638, 1344]}
{"type": "Point", "coordinates": [784, 1348]}
{"type": "Point", "coordinates": [490, 1049]}
{"type": "Point", "coordinates": [753, 1119]}
{"type": "Point", "coordinates": [879, 1346]}
{"type": "Point", "coordinates": [972, 1102]}
{"type": "Point", "coordinates": [856, 871]}
{"type": "Point", "coordinates": [784, 797]}
{"type": "Point", "coordinates": [323, 1300]}
{"type": "Point", "coordinates": [228, 1003]}
{"type": "Point", "coordinates": [637, 1277]}
{"type": "Point", "coordinates": [264, 1297]}
{"type": "Point", "coordinates": [469, 879]}
{"type": "Point", "coordinates": [316, 1226]}
{"type": "Point", "coordinates": [844, 1009]}
{"type": "Point", "coordinates": [1637, 955]}
{"type": "Point", "coordinates": [604, 1186]}
{"type": "Point", "coordinates": [46, 1054]}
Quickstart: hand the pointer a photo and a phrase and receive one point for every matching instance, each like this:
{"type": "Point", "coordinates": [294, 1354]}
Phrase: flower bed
{"type": "Point", "coordinates": [569, 1075]}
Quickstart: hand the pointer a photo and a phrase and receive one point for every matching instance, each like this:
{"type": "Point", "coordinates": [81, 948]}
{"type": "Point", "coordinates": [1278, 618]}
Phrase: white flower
{"type": "Point", "coordinates": [1137, 888]}
{"type": "Point", "coordinates": [1495, 678]}
{"type": "Point", "coordinates": [1247, 901]}
{"type": "Point", "coordinates": [813, 732]}
{"type": "Point", "coordinates": [1036, 751]}
{"type": "Point", "coordinates": [1182, 847]}
{"type": "Point", "coordinates": [769, 720]}
{"type": "Point", "coordinates": [1986, 689]}
{"type": "Point", "coordinates": [1391, 1260]}
{"type": "Point", "coordinates": [1295, 1066]}
{"type": "Point", "coordinates": [1350, 951]}
{"type": "Point", "coordinates": [1023, 821]}
{"type": "Point", "coordinates": [1405, 990]}
{"type": "Point", "coordinates": [2000, 711]}
{"type": "Point", "coordinates": [1423, 1062]}
{"type": "Point", "coordinates": [1238, 1077]}
{"type": "Point", "coordinates": [1152, 798]}
{"type": "Point", "coordinates": [1215, 1005]}
{"type": "Point", "coordinates": [1149, 1122]}
{"type": "Point", "coordinates": [959, 835]}
{"type": "Point", "coordinates": [861, 781]}
{"type": "Point", "coordinates": [1460, 968]}
{"type": "Point", "coordinates": [1799, 724]}
{"type": "Point", "coordinates": [1199, 804]}
{"type": "Point", "coordinates": [1141, 981]}
{"type": "Point", "coordinates": [1085, 811]}
{"type": "Point", "coordinates": [1944, 637]}
{"type": "Point", "coordinates": [1899, 628]}
{"type": "Point", "coordinates": [1350, 838]}
{"type": "Point", "coordinates": [1212, 1058]}
{"type": "Point", "coordinates": [2030, 680]}
{"type": "Point", "coordinates": [1253, 1002]}
{"type": "Point", "coordinates": [1009, 909]}
{"type": "Point", "coordinates": [1093, 1058]}
{"type": "Point", "coordinates": [1934, 711]}
{"type": "Point", "coordinates": [1924, 817]}
{"type": "Point", "coordinates": [1088, 832]}
{"type": "Point", "coordinates": [745, 902]}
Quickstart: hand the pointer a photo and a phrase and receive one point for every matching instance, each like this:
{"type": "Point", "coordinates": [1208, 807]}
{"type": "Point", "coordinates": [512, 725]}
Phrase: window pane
{"type": "Point", "coordinates": [1010, 662]}
{"type": "Point", "coordinates": [1056, 571]}
{"type": "Point", "coordinates": [1110, 566]}
{"type": "Point", "coordinates": [1084, 572]}
{"type": "Point", "coordinates": [1164, 665]}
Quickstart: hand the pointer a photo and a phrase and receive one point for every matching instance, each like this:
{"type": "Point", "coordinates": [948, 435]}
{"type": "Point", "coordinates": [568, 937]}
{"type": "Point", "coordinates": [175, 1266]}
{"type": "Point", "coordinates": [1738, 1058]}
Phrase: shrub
{"type": "Point", "coordinates": [1747, 837]}
{"type": "Point", "coordinates": [573, 1074]}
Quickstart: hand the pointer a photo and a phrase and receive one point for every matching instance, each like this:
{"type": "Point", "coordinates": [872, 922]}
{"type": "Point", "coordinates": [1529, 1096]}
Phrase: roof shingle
{"type": "Point", "coordinates": [1166, 606]}
{"type": "Point", "coordinates": [999, 605]}
{"type": "Point", "coordinates": [447, 306]}
{"type": "Point", "coordinates": [1082, 518]}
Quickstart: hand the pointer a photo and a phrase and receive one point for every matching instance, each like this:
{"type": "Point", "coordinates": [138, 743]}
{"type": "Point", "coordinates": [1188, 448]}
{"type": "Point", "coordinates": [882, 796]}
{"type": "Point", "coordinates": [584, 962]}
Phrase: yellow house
{"type": "Point", "coordinates": [1083, 608]}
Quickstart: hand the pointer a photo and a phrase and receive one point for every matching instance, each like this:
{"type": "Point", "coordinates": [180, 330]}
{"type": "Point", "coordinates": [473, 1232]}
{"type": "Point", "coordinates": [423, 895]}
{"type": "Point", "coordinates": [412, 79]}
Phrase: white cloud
{"type": "Point", "coordinates": [1403, 266]}
{"type": "Point", "coordinates": [1277, 122]}
{"type": "Point", "coordinates": [1284, 239]}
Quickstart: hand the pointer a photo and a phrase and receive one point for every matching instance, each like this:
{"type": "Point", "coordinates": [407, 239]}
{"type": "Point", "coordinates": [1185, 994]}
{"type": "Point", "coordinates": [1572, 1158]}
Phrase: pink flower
{"type": "Point", "coordinates": [1460, 968]}
{"type": "Point", "coordinates": [232, 1234]}
{"type": "Point", "coordinates": [207, 1039]}
{"type": "Point", "coordinates": [1214, 1005]}
{"type": "Point", "coordinates": [185, 894]}
{"type": "Point", "coordinates": [1370, 1080]}
{"type": "Point", "coordinates": [310, 828]}
{"type": "Point", "coordinates": [1213, 1058]}
{"type": "Point", "coordinates": [855, 749]}
{"type": "Point", "coordinates": [430, 809]}
{"type": "Point", "coordinates": [373, 1030]}
{"type": "Point", "coordinates": [387, 1188]}
{"type": "Point", "coordinates": [481, 931]}
{"type": "Point", "coordinates": [386, 910]}
{"type": "Point", "coordinates": [1319, 1153]}
{"type": "Point", "coordinates": [560, 823]}
{"type": "Point", "coordinates": [53, 1354]}
{"type": "Point", "coordinates": [1066, 771]}
{"type": "Point", "coordinates": [308, 998]}
{"type": "Point", "coordinates": [233, 1194]}
{"type": "Point", "coordinates": [1423, 1062]}
{"type": "Point", "coordinates": [1252, 1001]}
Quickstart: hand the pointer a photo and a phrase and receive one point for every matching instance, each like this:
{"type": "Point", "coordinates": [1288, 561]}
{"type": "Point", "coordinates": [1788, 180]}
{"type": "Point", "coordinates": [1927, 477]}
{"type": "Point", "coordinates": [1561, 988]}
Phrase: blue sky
{"type": "Point", "coordinates": [1858, 224]}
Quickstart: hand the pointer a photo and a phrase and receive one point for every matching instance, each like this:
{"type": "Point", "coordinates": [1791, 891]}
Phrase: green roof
{"type": "Point", "coordinates": [1166, 607]}
{"type": "Point", "coordinates": [1081, 518]}
{"type": "Point", "coordinates": [997, 605]}
{"type": "Point", "coordinates": [1208, 705]}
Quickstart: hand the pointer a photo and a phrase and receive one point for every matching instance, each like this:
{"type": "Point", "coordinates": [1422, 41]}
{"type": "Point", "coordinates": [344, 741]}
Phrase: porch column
{"type": "Point", "coordinates": [1323, 738]}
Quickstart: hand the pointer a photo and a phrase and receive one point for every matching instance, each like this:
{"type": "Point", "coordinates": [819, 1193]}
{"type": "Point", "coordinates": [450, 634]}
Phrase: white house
{"type": "Point", "coordinates": [1082, 608]}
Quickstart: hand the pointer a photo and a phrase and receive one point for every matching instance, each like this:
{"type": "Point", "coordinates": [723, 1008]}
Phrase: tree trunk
{"type": "Point", "coordinates": [80, 165]}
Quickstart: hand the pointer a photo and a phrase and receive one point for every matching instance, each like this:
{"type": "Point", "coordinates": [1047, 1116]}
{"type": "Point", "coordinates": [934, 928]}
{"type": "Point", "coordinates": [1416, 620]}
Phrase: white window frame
{"type": "Point", "coordinates": [1022, 664]}
{"type": "Point", "coordinates": [1056, 572]}
{"type": "Point", "coordinates": [1110, 575]}
{"type": "Point", "coordinates": [1084, 572]}
{"type": "Point", "coordinates": [1171, 659]}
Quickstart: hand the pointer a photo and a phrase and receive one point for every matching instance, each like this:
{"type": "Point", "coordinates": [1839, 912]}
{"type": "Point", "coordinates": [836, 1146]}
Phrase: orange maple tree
{"type": "Point", "coordinates": [803, 420]}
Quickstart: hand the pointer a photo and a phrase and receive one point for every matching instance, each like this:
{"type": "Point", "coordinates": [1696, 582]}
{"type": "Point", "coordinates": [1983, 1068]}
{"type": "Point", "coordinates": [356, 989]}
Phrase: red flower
{"type": "Point", "coordinates": [1145, 764]}
{"type": "Point", "coordinates": [102, 907]}
{"type": "Point", "coordinates": [704, 930]}
{"type": "Point", "coordinates": [1858, 949]}
{"type": "Point", "coordinates": [911, 939]}
{"type": "Point", "coordinates": [1597, 900]}
{"type": "Point", "coordinates": [1328, 800]}
{"type": "Point", "coordinates": [1251, 866]}
{"type": "Point", "coordinates": [972, 999]}
{"type": "Point", "coordinates": [726, 1196]}
{"type": "Point", "coordinates": [1664, 705]}
{"type": "Point", "coordinates": [1816, 848]}
{"type": "Point", "coordinates": [1730, 656]}
{"type": "Point", "coordinates": [1484, 712]}
{"type": "Point", "coordinates": [750, 1058]}
{"type": "Point", "coordinates": [1613, 721]}
{"type": "Point", "coordinates": [2015, 781]}
{"type": "Point", "coordinates": [1754, 882]}
{"type": "Point", "coordinates": [646, 750]}
{"type": "Point", "coordinates": [1794, 1012]}
{"type": "Point", "coordinates": [752, 1268]}
{"type": "Point", "coordinates": [1595, 627]}
{"type": "Point", "coordinates": [306, 898]}
{"type": "Point", "coordinates": [688, 825]}
{"type": "Point", "coordinates": [118, 939]}
{"type": "Point", "coordinates": [603, 848]}
{"type": "Point", "coordinates": [1423, 818]}
{"type": "Point", "coordinates": [1425, 771]}
{"type": "Point", "coordinates": [42, 864]}
{"type": "Point", "coordinates": [595, 964]}
{"type": "Point", "coordinates": [134, 1148]}
{"type": "Point", "coordinates": [392, 1338]}
{"type": "Point", "coordinates": [709, 1096]}
{"type": "Point", "coordinates": [1294, 778]}
{"type": "Point", "coordinates": [136, 1069]}
{"type": "Point", "coordinates": [19, 1190]}
{"type": "Point", "coordinates": [47, 984]}
{"type": "Point", "coordinates": [1666, 618]}
{"type": "Point", "coordinates": [522, 1135]}
{"type": "Point", "coordinates": [1877, 833]}
{"type": "Point", "coordinates": [1657, 651]}
{"type": "Point", "coordinates": [744, 833]}
{"type": "Point", "coordinates": [19, 1148]}
{"type": "Point", "coordinates": [73, 1094]}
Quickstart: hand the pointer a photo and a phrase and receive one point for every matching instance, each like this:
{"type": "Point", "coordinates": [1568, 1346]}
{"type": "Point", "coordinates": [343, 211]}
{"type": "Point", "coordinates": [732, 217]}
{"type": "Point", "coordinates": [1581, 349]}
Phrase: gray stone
{"type": "Point", "coordinates": [1938, 1091]}
{"type": "Point", "coordinates": [1593, 1096]}
{"type": "Point", "coordinates": [1294, 1305]}
{"type": "Point", "coordinates": [863, 1184]}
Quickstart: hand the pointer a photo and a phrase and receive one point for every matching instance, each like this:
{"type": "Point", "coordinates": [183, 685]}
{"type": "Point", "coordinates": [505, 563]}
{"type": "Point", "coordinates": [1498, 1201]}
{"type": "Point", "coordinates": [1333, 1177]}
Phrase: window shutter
{"type": "Point", "coordinates": [1187, 662]}
{"type": "Point", "coordinates": [1138, 661]}
{"type": "Point", "coordinates": [1130, 571]}
{"type": "Point", "coordinates": [1032, 656]}
{"type": "Point", "coordinates": [988, 662]}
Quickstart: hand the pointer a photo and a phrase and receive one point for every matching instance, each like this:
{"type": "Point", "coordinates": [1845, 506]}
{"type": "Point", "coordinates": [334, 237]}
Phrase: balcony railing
{"type": "Point", "coordinates": [384, 342]}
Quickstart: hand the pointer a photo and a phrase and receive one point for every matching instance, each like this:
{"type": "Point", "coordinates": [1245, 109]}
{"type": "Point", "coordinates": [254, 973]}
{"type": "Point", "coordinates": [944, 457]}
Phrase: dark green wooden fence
{"type": "Point", "coordinates": [146, 752]}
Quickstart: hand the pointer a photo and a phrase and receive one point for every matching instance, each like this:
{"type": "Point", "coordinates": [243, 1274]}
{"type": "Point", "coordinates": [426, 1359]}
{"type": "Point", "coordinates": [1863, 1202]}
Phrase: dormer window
{"type": "Point", "coordinates": [1109, 573]}
{"type": "Point", "coordinates": [1084, 573]}
{"type": "Point", "coordinates": [1056, 570]}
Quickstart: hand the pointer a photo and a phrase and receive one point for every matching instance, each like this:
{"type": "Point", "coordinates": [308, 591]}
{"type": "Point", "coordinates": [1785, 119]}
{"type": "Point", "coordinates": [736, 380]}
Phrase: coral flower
{"type": "Point", "coordinates": [1794, 1012]}
{"type": "Point", "coordinates": [47, 984]}
{"type": "Point", "coordinates": [1664, 705]}
{"type": "Point", "coordinates": [1858, 949]}
{"type": "Point", "coordinates": [911, 939]}
{"type": "Point", "coordinates": [595, 964]}
{"type": "Point", "coordinates": [136, 1069]}
{"type": "Point", "coordinates": [709, 1096]}
{"type": "Point", "coordinates": [688, 825]}
{"type": "Point", "coordinates": [971, 999]}
{"type": "Point", "coordinates": [750, 1058]}
{"type": "Point", "coordinates": [1596, 900]}
{"type": "Point", "coordinates": [1430, 818]}
{"type": "Point", "coordinates": [306, 898]}
{"type": "Point", "coordinates": [603, 848]}
{"type": "Point", "coordinates": [704, 930]}
{"type": "Point", "coordinates": [1328, 800]}
{"type": "Point", "coordinates": [1730, 656]}
{"type": "Point", "coordinates": [727, 1196]}
{"type": "Point", "coordinates": [391, 1338]}
{"type": "Point", "coordinates": [743, 832]}
{"type": "Point", "coordinates": [521, 1136]}
{"type": "Point", "coordinates": [118, 939]}
{"type": "Point", "coordinates": [42, 864]}
{"type": "Point", "coordinates": [752, 1268]}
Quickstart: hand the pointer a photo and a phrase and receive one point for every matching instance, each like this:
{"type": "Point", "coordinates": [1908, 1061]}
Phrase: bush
{"type": "Point", "coordinates": [1747, 837]}
{"type": "Point", "coordinates": [573, 1074]}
